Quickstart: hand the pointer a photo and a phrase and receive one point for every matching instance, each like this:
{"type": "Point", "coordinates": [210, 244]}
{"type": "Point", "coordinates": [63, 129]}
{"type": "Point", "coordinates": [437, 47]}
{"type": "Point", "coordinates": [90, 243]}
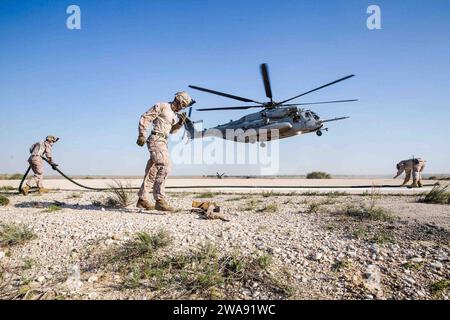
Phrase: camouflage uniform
{"type": "Point", "coordinates": [158, 166]}
{"type": "Point", "coordinates": [414, 166]}
{"type": "Point", "coordinates": [38, 150]}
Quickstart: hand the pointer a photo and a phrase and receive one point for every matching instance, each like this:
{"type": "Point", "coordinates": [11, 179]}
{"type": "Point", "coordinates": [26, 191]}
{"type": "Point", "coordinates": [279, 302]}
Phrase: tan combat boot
{"type": "Point", "coordinates": [419, 183]}
{"type": "Point", "coordinates": [162, 205]}
{"type": "Point", "coordinates": [25, 190]}
{"type": "Point", "coordinates": [414, 184]}
{"type": "Point", "coordinates": [43, 190]}
{"type": "Point", "coordinates": [145, 204]}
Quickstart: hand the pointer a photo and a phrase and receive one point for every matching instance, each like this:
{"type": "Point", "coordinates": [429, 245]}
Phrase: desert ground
{"type": "Point", "coordinates": [282, 242]}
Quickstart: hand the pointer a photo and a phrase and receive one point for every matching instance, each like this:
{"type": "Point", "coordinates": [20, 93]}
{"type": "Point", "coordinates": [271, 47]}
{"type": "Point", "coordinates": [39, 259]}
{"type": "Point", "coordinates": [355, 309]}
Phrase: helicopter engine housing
{"type": "Point", "coordinates": [279, 113]}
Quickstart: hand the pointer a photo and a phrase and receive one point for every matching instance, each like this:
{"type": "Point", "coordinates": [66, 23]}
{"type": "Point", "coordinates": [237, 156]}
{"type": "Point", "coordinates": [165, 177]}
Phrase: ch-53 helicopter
{"type": "Point", "coordinates": [287, 120]}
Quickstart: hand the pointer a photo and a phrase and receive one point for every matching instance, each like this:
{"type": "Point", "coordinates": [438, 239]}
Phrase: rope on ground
{"type": "Point", "coordinates": [217, 187]}
{"type": "Point", "coordinates": [71, 180]}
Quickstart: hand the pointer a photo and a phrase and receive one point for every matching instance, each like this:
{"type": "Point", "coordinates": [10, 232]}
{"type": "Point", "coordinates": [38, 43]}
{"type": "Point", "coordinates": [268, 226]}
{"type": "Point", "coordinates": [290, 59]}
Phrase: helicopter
{"type": "Point", "coordinates": [283, 118]}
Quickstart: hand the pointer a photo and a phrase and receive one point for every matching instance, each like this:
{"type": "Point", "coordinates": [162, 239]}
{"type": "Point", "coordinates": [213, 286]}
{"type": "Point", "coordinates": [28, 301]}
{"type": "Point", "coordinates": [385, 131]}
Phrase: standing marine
{"type": "Point", "coordinates": [414, 166]}
{"type": "Point", "coordinates": [39, 150]}
{"type": "Point", "coordinates": [163, 116]}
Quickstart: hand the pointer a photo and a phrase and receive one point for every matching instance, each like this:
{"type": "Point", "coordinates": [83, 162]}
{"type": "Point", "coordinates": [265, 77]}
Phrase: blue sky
{"type": "Point", "coordinates": [90, 86]}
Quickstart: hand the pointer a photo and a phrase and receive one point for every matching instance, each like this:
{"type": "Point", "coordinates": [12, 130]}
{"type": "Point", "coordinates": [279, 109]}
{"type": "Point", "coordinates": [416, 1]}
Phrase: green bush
{"type": "Point", "coordinates": [438, 194]}
{"type": "Point", "coordinates": [318, 175]}
{"type": "Point", "coordinates": [250, 205]}
{"type": "Point", "coordinates": [438, 178]}
{"type": "Point", "coordinates": [439, 287]}
{"type": "Point", "coordinates": [120, 195]}
{"type": "Point", "coordinates": [53, 208]}
{"type": "Point", "coordinates": [370, 212]}
{"type": "Point", "coordinates": [13, 234]}
{"type": "Point", "coordinates": [15, 176]}
{"type": "Point", "coordinates": [4, 201]}
{"type": "Point", "coordinates": [142, 245]}
{"type": "Point", "coordinates": [268, 194]}
{"type": "Point", "coordinates": [341, 265]}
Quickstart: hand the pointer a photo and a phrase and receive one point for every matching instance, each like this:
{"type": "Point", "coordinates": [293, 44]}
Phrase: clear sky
{"type": "Point", "coordinates": [90, 86]}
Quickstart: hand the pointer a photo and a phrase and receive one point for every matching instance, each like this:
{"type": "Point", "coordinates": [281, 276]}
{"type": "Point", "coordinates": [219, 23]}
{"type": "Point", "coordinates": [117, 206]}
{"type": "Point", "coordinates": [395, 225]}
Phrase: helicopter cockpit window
{"type": "Point", "coordinates": [315, 116]}
{"type": "Point", "coordinates": [307, 115]}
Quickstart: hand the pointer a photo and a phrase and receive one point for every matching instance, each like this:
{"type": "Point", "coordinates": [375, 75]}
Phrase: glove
{"type": "Point", "coordinates": [182, 117]}
{"type": "Point", "coordinates": [54, 166]}
{"type": "Point", "coordinates": [141, 141]}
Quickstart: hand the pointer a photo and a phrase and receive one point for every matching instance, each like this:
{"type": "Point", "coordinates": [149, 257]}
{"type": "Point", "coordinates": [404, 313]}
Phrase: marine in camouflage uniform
{"type": "Point", "coordinates": [163, 117]}
{"type": "Point", "coordinates": [414, 166]}
{"type": "Point", "coordinates": [39, 150]}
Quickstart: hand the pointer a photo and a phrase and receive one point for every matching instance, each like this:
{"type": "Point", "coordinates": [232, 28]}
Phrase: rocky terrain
{"type": "Point", "coordinates": [309, 246]}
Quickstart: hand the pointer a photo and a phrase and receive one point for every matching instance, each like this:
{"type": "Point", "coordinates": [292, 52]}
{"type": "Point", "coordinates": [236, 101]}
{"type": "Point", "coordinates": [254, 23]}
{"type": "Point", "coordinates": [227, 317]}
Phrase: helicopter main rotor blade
{"type": "Point", "coordinates": [322, 102]}
{"type": "Point", "coordinates": [266, 81]}
{"type": "Point", "coordinates": [284, 105]}
{"type": "Point", "coordinates": [230, 108]}
{"type": "Point", "coordinates": [224, 94]}
{"type": "Point", "coordinates": [321, 87]}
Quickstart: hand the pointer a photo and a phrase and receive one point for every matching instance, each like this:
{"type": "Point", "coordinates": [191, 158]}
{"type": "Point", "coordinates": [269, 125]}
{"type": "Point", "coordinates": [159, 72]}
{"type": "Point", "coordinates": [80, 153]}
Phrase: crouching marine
{"type": "Point", "coordinates": [414, 166]}
{"type": "Point", "coordinates": [37, 151]}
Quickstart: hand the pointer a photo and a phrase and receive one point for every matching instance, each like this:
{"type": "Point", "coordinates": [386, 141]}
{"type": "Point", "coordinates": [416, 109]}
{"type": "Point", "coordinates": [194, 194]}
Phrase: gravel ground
{"type": "Point", "coordinates": [326, 253]}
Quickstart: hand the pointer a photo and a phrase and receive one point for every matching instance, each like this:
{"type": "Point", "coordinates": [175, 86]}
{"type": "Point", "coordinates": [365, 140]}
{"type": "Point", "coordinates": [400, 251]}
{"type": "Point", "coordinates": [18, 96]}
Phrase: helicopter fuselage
{"type": "Point", "coordinates": [267, 125]}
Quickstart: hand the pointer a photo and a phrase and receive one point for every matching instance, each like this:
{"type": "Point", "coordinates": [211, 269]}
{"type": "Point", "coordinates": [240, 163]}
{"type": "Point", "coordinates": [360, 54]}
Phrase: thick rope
{"type": "Point", "coordinates": [218, 187]}
{"type": "Point", "coordinates": [71, 180]}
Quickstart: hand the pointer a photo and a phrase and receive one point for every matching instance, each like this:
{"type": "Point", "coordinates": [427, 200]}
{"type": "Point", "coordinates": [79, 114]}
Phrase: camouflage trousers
{"type": "Point", "coordinates": [38, 169]}
{"type": "Point", "coordinates": [157, 169]}
{"type": "Point", "coordinates": [416, 173]}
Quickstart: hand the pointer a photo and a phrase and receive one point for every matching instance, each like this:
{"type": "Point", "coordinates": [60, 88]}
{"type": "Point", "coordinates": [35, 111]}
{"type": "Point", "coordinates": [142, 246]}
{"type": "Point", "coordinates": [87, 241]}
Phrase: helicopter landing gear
{"type": "Point", "coordinates": [320, 132]}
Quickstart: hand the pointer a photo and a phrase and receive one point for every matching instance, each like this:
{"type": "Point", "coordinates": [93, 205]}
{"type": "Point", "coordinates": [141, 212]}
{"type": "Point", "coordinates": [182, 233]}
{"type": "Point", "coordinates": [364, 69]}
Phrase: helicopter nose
{"type": "Point", "coordinates": [318, 123]}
